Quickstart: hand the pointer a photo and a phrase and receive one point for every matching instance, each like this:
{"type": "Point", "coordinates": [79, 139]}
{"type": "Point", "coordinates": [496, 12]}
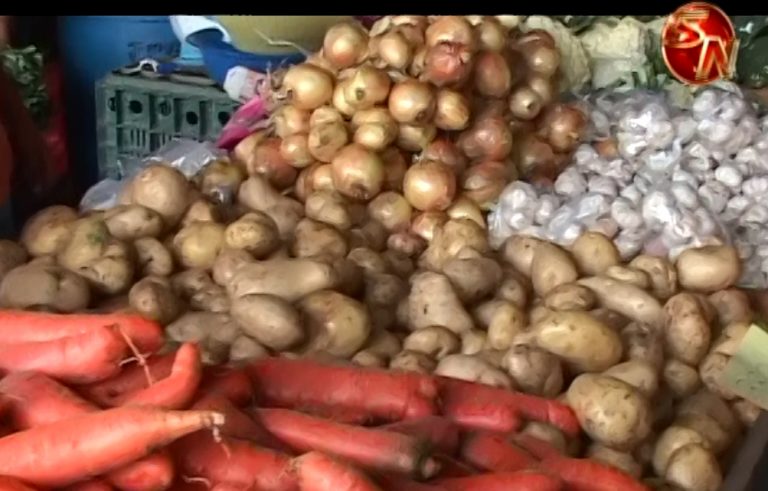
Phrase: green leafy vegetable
{"type": "Point", "coordinates": [26, 67]}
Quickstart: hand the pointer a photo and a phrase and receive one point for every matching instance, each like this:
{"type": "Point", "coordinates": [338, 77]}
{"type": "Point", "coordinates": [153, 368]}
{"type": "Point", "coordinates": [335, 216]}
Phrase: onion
{"type": "Point", "coordinates": [534, 156]}
{"type": "Point", "coordinates": [326, 139]}
{"type": "Point", "coordinates": [488, 138]}
{"type": "Point", "coordinates": [374, 115]}
{"type": "Point", "coordinates": [345, 44]}
{"type": "Point", "coordinates": [290, 120]}
{"type": "Point", "coordinates": [392, 210]}
{"type": "Point", "coordinates": [395, 167]}
{"type": "Point", "coordinates": [414, 34]}
{"type": "Point", "coordinates": [541, 58]}
{"type": "Point", "coordinates": [525, 103]}
{"type": "Point", "coordinates": [406, 243]}
{"type": "Point", "coordinates": [381, 26]}
{"type": "Point", "coordinates": [491, 35]}
{"type": "Point", "coordinates": [492, 75]}
{"type": "Point", "coordinates": [395, 50]}
{"type": "Point", "coordinates": [316, 177]}
{"type": "Point", "coordinates": [268, 161]}
{"type": "Point", "coordinates": [419, 61]}
{"type": "Point", "coordinates": [563, 126]}
{"type": "Point", "coordinates": [412, 102]}
{"type": "Point", "coordinates": [367, 87]}
{"type": "Point", "coordinates": [509, 21]}
{"type": "Point", "coordinates": [465, 207]}
{"type": "Point", "coordinates": [325, 114]}
{"type": "Point", "coordinates": [489, 108]}
{"type": "Point", "coordinates": [340, 102]}
{"type": "Point", "coordinates": [295, 149]}
{"type": "Point", "coordinates": [535, 36]}
{"type": "Point", "coordinates": [451, 29]}
{"type": "Point", "coordinates": [417, 21]}
{"type": "Point", "coordinates": [446, 152]}
{"type": "Point", "coordinates": [319, 61]}
{"type": "Point", "coordinates": [414, 138]}
{"type": "Point", "coordinates": [375, 136]}
{"type": "Point", "coordinates": [484, 182]}
{"type": "Point", "coordinates": [243, 151]}
{"type": "Point", "coordinates": [447, 64]}
{"type": "Point", "coordinates": [308, 86]}
{"type": "Point", "coordinates": [301, 187]}
{"type": "Point", "coordinates": [544, 87]}
{"type": "Point", "coordinates": [357, 172]}
{"type": "Point", "coordinates": [607, 148]}
{"type": "Point", "coordinates": [452, 110]}
{"type": "Point", "coordinates": [425, 223]}
{"type": "Point", "coordinates": [429, 186]}
{"type": "Point", "coordinates": [322, 178]}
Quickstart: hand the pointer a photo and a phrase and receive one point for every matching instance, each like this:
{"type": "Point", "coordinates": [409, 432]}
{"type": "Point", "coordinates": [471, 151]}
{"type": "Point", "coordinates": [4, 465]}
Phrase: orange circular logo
{"type": "Point", "coordinates": [699, 44]}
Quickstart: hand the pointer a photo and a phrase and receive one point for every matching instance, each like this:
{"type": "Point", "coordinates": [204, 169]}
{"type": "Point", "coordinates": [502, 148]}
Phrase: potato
{"type": "Point", "coordinates": [366, 358]}
{"type": "Point", "coordinates": [709, 404]}
{"type": "Point", "coordinates": [201, 210]}
{"type": "Point", "coordinates": [98, 257]}
{"type": "Point", "coordinates": [512, 289]}
{"type": "Point", "coordinates": [547, 433]}
{"type": "Point", "coordinates": [472, 369]}
{"type": "Point", "coordinates": [474, 278]}
{"type": "Point", "coordinates": [644, 343]}
{"type": "Point", "coordinates": [12, 255]}
{"type": "Point", "coordinates": [257, 194]}
{"type": "Point", "coordinates": [350, 277]}
{"type": "Point", "coordinates": [383, 343]}
{"type": "Point", "coordinates": [131, 222]}
{"type": "Point", "coordinates": [313, 238]}
{"type": "Point", "coordinates": [215, 333]}
{"type": "Point", "coordinates": [681, 379]}
{"type": "Point", "coordinates": [639, 374]}
{"type": "Point", "coordinates": [623, 461]}
{"type": "Point", "coordinates": [152, 258]}
{"type": "Point", "coordinates": [473, 342]}
{"type": "Point", "coordinates": [450, 239]}
{"type": "Point", "coordinates": [570, 296]}
{"type": "Point", "coordinates": [732, 305]}
{"type": "Point", "coordinates": [626, 299]}
{"type": "Point", "coordinates": [519, 250]}
{"type": "Point", "coordinates": [493, 356]}
{"type": "Point", "coordinates": [44, 285]}
{"type": "Point", "coordinates": [551, 267]}
{"type": "Point", "coordinates": [534, 371]}
{"type": "Point", "coordinates": [705, 425]}
{"type": "Point", "coordinates": [730, 339]}
{"type": "Point", "coordinates": [153, 298]}
{"type": "Point", "coordinates": [195, 286]}
{"type": "Point", "coordinates": [370, 234]}
{"type": "Point", "coordinates": [290, 279]}
{"type": "Point", "coordinates": [671, 440]}
{"type": "Point", "coordinates": [577, 338]}
{"type": "Point", "coordinates": [248, 349]}
{"type": "Point", "coordinates": [118, 304]}
{"type": "Point", "coordinates": [48, 231]}
{"type": "Point", "coordinates": [160, 188]}
{"type": "Point", "coordinates": [502, 320]}
{"type": "Point", "coordinates": [412, 361]}
{"type": "Point", "coordinates": [254, 232]}
{"type": "Point", "coordinates": [220, 181]}
{"type": "Point", "coordinates": [398, 263]}
{"type": "Point", "coordinates": [384, 290]}
{"type": "Point", "coordinates": [434, 341]}
{"type": "Point", "coordinates": [594, 253]}
{"type": "Point", "coordinates": [337, 324]}
{"type": "Point", "coordinates": [369, 260]}
{"type": "Point", "coordinates": [629, 275]}
{"type": "Point", "coordinates": [538, 313]}
{"type": "Point", "coordinates": [694, 468]}
{"type": "Point", "coordinates": [686, 330]}
{"type": "Point", "coordinates": [610, 411]}
{"type": "Point", "coordinates": [392, 210]}
{"type": "Point", "coordinates": [612, 319]}
{"type": "Point", "coordinates": [746, 411]}
{"type": "Point", "coordinates": [660, 271]}
{"type": "Point", "coordinates": [227, 263]}
{"type": "Point", "coordinates": [708, 269]}
{"type": "Point", "coordinates": [433, 302]}
{"type": "Point", "coordinates": [268, 319]}
{"type": "Point", "coordinates": [197, 244]}
{"type": "Point", "coordinates": [330, 208]}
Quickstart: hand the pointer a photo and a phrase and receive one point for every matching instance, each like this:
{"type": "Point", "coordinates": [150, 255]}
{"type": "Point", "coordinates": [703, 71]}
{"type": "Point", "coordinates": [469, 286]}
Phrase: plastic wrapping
{"type": "Point", "coordinates": [678, 178]}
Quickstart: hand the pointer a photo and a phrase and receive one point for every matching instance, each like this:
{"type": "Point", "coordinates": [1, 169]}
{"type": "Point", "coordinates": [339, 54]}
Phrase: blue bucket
{"type": "Point", "coordinates": [92, 47]}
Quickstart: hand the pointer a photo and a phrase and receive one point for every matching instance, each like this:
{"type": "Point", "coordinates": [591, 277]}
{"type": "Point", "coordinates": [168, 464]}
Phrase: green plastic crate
{"type": "Point", "coordinates": [136, 116]}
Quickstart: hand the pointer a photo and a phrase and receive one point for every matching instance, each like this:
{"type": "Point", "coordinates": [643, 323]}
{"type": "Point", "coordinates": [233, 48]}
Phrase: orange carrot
{"type": "Point", "coordinates": [152, 473]}
{"type": "Point", "coordinates": [177, 389]}
{"type": "Point", "coordinates": [393, 482]}
{"type": "Point", "coordinates": [89, 485]}
{"type": "Point", "coordinates": [589, 475]}
{"type": "Point", "coordinates": [479, 414]}
{"type": "Point", "coordinates": [231, 487]}
{"type": "Point", "coordinates": [67, 451]}
{"type": "Point", "coordinates": [369, 447]}
{"type": "Point", "coordinates": [536, 408]}
{"type": "Point", "coordinates": [21, 326]}
{"type": "Point", "coordinates": [318, 472]}
{"type": "Point", "coordinates": [441, 433]}
{"type": "Point", "coordinates": [230, 382]}
{"type": "Point", "coordinates": [305, 384]}
{"type": "Point", "coordinates": [239, 424]}
{"type": "Point", "coordinates": [536, 446]}
{"type": "Point", "coordinates": [450, 467]}
{"type": "Point", "coordinates": [232, 461]}
{"type": "Point", "coordinates": [83, 358]}
{"type": "Point", "coordinates": [131, 378]}
{"type": "Point", "coordinates": [503, 481]}
{"type": "Point", "coordinates": [5, 430]}
{"type": "Point", "coordinates": [493, 453]}
{"type": "Point", "coordinates": [10, 484]}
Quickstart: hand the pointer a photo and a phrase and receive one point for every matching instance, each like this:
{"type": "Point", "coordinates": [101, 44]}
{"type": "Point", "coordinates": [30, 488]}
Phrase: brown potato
{"type": "Point", "coordinates": [398, 263]}
{"type": "Point", "coordinates": [201, 210]}
{"type": "Point", "coordinates": [220, 180]}
{"type": "Point", "coordinates": [626, 299]}
{"type": "Point", "coordinates": [473, 342]}
{"type": "Point", "coordinates": [197, 244]}
{"type": "Point", "coordinates": [131, 222]}
{"type": "Point", "coordinates": [329, 207]}
{"type": "Point", "coordinates": [152, 258]}
{"type": "Point", "coordinates": [434, 341]}
{"type": "Point", "coordinates": [227, 263]}
{"type": "Point", "coordinates": [369, 260]}
{"type": "Point", "coordinates": [48, 286]}
{"type": "Point", "coordinates": [254, 232]}
{"type": "Point", "coordinates": [246, 349]}
{"type": "Point", "coordinates": [694, 468]}
{"type": "Point", "coordinates": [594, 253]}
{"type": "Point", "coordinates": [433, 302]}
{"type": "Point", "coordinates": [270, 320]}
{"type": "Point", "coordinates": [383, 343]}
{"type": "Point", "coordinates": [547, 433]}
{"type": "Point", "coordinates": [551, 267]}
{"type": "Point", "coordinates": [639, 374]}
{"type": "Point", "coordinates": [709, 404]}
{"type": "Point", "coordinates": [519, 251]}
{"type": "Point", "coordinates": [312, 238]}
{"type": "Point", "coordinates": [672, 439]}
{"type": "Point", "coordinates": [534, 371]}
{"type": "Point", "coordinates": [705, 425]}
{"type": "Point", "coordinates": [257, 194]}
{"type": "Point", "coordinates": [732, 305]}
{"type": "Point", "coordinates": [337, 324]}
{"type": "Point", "coordinates": [290, 279]}
{"type": "Point", "coordinates": [392, 210]}
{"type": "Point", "coordinates": [709, 268]}
{"type": "Point", "coordinates": [472, 369]}
{"type": "Point", "coordinates": [450, 239]}
{"type": "Point", "coordinates": [502, 320]}
{"type": "Point", "coordinates": [612, 319]}
{"type": "Point", "coordinates": [746, 411]}
{"type": "Point", "coordinates": [384, 290]}
{"type": "Point", "coordinates": [12, 255]}
{"type": "Point", "coordinates": [473, 278]}
{"type": "Point", "coordinates": [570, 296]}
{"type": "Point", "coordinates": [686, 330]}
{"type": "Point", "coordinates": [214, 332]}
{"type": "Point", "coordinates": [681, 379]}
{"type": "Point", "coordinates": [512, 289]}
{"type": "Point", "coordinates": [160, 188]}
{"type": "Point", "coordinates": [644, 342]}
{"type": "Point", "coordinates": [366, 358]}
{"type": "Point", "coordinates": [370, 234]}
{"type": "Point", "coordinates": [197, 288]}
{"type": "Point", "coordinates": [153, 298]}
{"type": "Point", "coordinates": [660, 271]}
{"type": "Point", "coordinates": [623, 461]}
{"type": "Point", "coordinates": [412, 361]}
{"type": "Point", "coordinates": [48, 231]}
{"type": "Point", "coordinates": [629, 275]}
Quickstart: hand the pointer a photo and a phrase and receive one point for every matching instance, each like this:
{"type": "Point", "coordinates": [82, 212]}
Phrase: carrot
{"type": "Point", "coordinates": [441, 433]}
{"type": "Point", "coordinates": [83, 358]}
{"type": "Point", "coordinates": [232, 461]}
{"type": "Point", "coordinates": [532, 407]}
{"type": "Point", "coordinates": [536, 446]}
{"type": "Point", "coordinates": [21, 326]}
{"type": "Point", "coordinates": [152, 473]}
{"type": "Point", "coordinates": [493, 453]}
{"type": "Point", "coordinates": [231, 487]}
{"type": "Point", "coordinates": [238, 424]}
{"type": "Point", "coordinates": [368, 447]}
{"type": "Point", "coordinates": [10, 484]}
{"type": "Point", "coordinates": [5, 430]}
{"type": "Point", "coordinates": [393, 482]}
{"type": "Point", "coordinates": [132, 378]}
{"type": "Point", "coordinates": [450, 467]}
{"type": "Point", "coordinates": [589, 475]}
{"type": "Point", "coordinates": [305, 384]}
{"type": "Point", "coordinates": [479, 414]}
{"type": "Point", "coordinates": [177, 389]}
{"type": "Point", "coordinates": [503, 481]}
{"type": "Point", "coordinates": [230, 382]}
{"type": "Point", "coordinates": [66, 451]}
{"type": "Point", "coordinates": [90, 485]}
{"type": "Point", "coordinates": [318, 472]}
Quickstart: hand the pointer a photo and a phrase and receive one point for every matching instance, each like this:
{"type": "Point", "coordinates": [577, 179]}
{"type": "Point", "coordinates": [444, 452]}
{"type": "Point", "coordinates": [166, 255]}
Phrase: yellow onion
{"type": "Point", "coordinates": [375, 136]}
{"type": "Point", "coordinates": [295, 150]}
{"type": "Point", "coordinates": [290, 120]}
{"type": "Point", "coordinates": [392, 210]}
{"type": "Point", "coordinates": [429, 186]}
{"type": "Point", "coordinates": [412, 102]}
{"type": "Point", "coordinates": [419, 61]}
{"type": "Point", "coordinates": [357, 172]}
{"type": "Point", "coordinates": [452, 111]}
{"type": "Point", "coordinates": [325, 114]}
{"type": "Point", "coordinates": [544, 87]}
{"type": "Point", "coordinates": [491, 35]}
{"type": "Point", "coordinates": [269, 162]}
{"type": "Point", "coordinates": [488, 138]}
{"type": "Point", "coordinates": [244, 151]}
{"type": "Point", "coordinates": [318, 60]}
{"type": "Point", "coordinates": [395, 167]}
{"type": "Point", "coordinates": [492, 75]}
{"type": "Point", "coordinates": [563, 126]}
{"type": "Point", "coordinates": [324, 140]}
{"type": "Point", "coordinates": [367, 87]}
{"type": "Point", "coordinates": [540, 57]}
{"type": "Point", "coordinates": [345, 44]}
{"type": "Point", "coordinates": [484, 182]}
{"type": "Point", "coordinates": [451, 29]}
{"type": "Point", "coordinates": [414, 138]}
{"type": "Point", "coordinates": [464, 207]}
{"type": "Point", "coordinates": [525, 103]}
{"type": "Point", "coordinates": [447, 65]}
{"type": "Point", "coordinates": [394, 50]}
{"type": "Point", "coordinates": [308, 86]}
{"type": "Point", "coordinates": [340, 103]}
{"type": "Point", "coordinates": [425, 223]}
{"type": "Point", "coordinates": [534, 156]}
{"type": "Point", "coordinates": [446, 152]}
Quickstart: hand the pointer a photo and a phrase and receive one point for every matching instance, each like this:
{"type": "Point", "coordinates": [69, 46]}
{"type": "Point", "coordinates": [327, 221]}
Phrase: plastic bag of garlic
{"type": "Point", "coordinates": [658, 179]}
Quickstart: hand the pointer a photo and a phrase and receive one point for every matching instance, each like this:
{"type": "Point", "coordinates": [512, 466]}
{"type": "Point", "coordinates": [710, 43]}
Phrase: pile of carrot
{"type": "Point", "coordinates": [88, 403]}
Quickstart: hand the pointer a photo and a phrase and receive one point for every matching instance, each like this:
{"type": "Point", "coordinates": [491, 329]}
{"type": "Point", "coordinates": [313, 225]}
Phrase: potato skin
{"type": "Point", "coordinates": [268, 319]}
{"type": "Point", "coordinates": [694, 468]}
{"type": "Point", "coordinates": [44, 285]}
{"type": "Point", "coordinates": [570, 296]}
{"type": "Point", "coordinates": [131, 222]}
{"type": "Point", "coordinates": [519, 251]}
{"type": "Point", "coordinates": [434, 341]}
{"type": "Point", "coordinates": [153, 258]}
{"type": "Point", "coordinates": [472, 369]}
{"type": "Point", "coordinates": [337, 324]}
{"type": "Point", "coordinates": [534, 370]}
{"type": "Point", "coordinates": [626, 299]}
{"type": "Point", "coordinates": [160, 188]}
{"type": "Point", "coordinates": [661, 273]}
{"type": "Point", "coordinates": [48, 230]}
{"type": "Point", "coordinates": [708, 269]}
{"type": "Point", "coordinates": [153, 298]}
{"type": "Point", "coordinates": [290, 279]}
{"type": "Point", "coordinates": [198, 244]}
{"type": "Point", "coordinates": [12, 255]}
{"type": "Point", "coordinates": [433, 302]}
{"type": "Point", "coordinates": [594, 253]}
{"type": "Point", "coordinates": [254, 232]}
{"type": "Point", "coordinates": [687, 332]}
{"type": "Point", "coordinates": [551, 267]}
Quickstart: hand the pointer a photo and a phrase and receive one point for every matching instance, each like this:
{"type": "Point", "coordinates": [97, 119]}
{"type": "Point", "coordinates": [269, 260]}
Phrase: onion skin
{"type": "Point", "coordinates": [325, 114]}
{"type": "Point", "coordinates": [415, 138]}
{"type": "Point", "coordinates": [295, 150]}
{"type": "Point", "coordinates": [484, 182]}
{"type": "Point", "coordinates": [451, 29]}
{"type": "Point", "coordinates": [244, 151]}
{"type": "Point", "coordinates": [394, 50]}
{"type": "Point", "coordinates": [406, 243]}
{"type": "Point", "coordinates": [345, 44]}
{"type": "Point", "coordinates": [412, 102]}
{"type": "Point", "coordinates": [316, 177]}
{"type": "Point", "coordinates": [395, 167]}
{"type": "Point", "coordinates": [491, 35]}
{"type": "Point", "coordinates": [308, 86]}
{"type": "Point", "coordinates": [452, 111]}
{"type": "Point", "coordinates": [357, 172]}
{"type": "Point", "coordinates": [465, 207]}
{"type": "Point", "coordinates": [429, 186]}
{"type": "Point", "coordinates": [340, 102]}
{"type": "Point", "coordinates": [267, 161]}
{"type": "Point", "coordinates": [447, 65]}
{"type": "Point", "coordinates": [540, 57]}
{"type": "Point", "coordinates": [425, 223]}
{"type": "Point", "coordinates": [534, 156]}
{"type": "Point", "coordinates": [446, 152]}
{"type": "Point", "coordinates": [367, 87]}
{"type": "Point", "coordinates": [544, 87]}
{"type": "Point", "coordinates": [563, 126]}
{"type": "Point", "coordinates": [325, 140]}
{"type": "Point", "coordinates": [489, 138]}
{"type": "Point", "coordinates": [525, 103]}
{"type": "Point", "coordinates": [392, 210]}
{"type": "Point", "coordinates": [492, 75]}
{"type": "Point", "coordinates": [290, 120]}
